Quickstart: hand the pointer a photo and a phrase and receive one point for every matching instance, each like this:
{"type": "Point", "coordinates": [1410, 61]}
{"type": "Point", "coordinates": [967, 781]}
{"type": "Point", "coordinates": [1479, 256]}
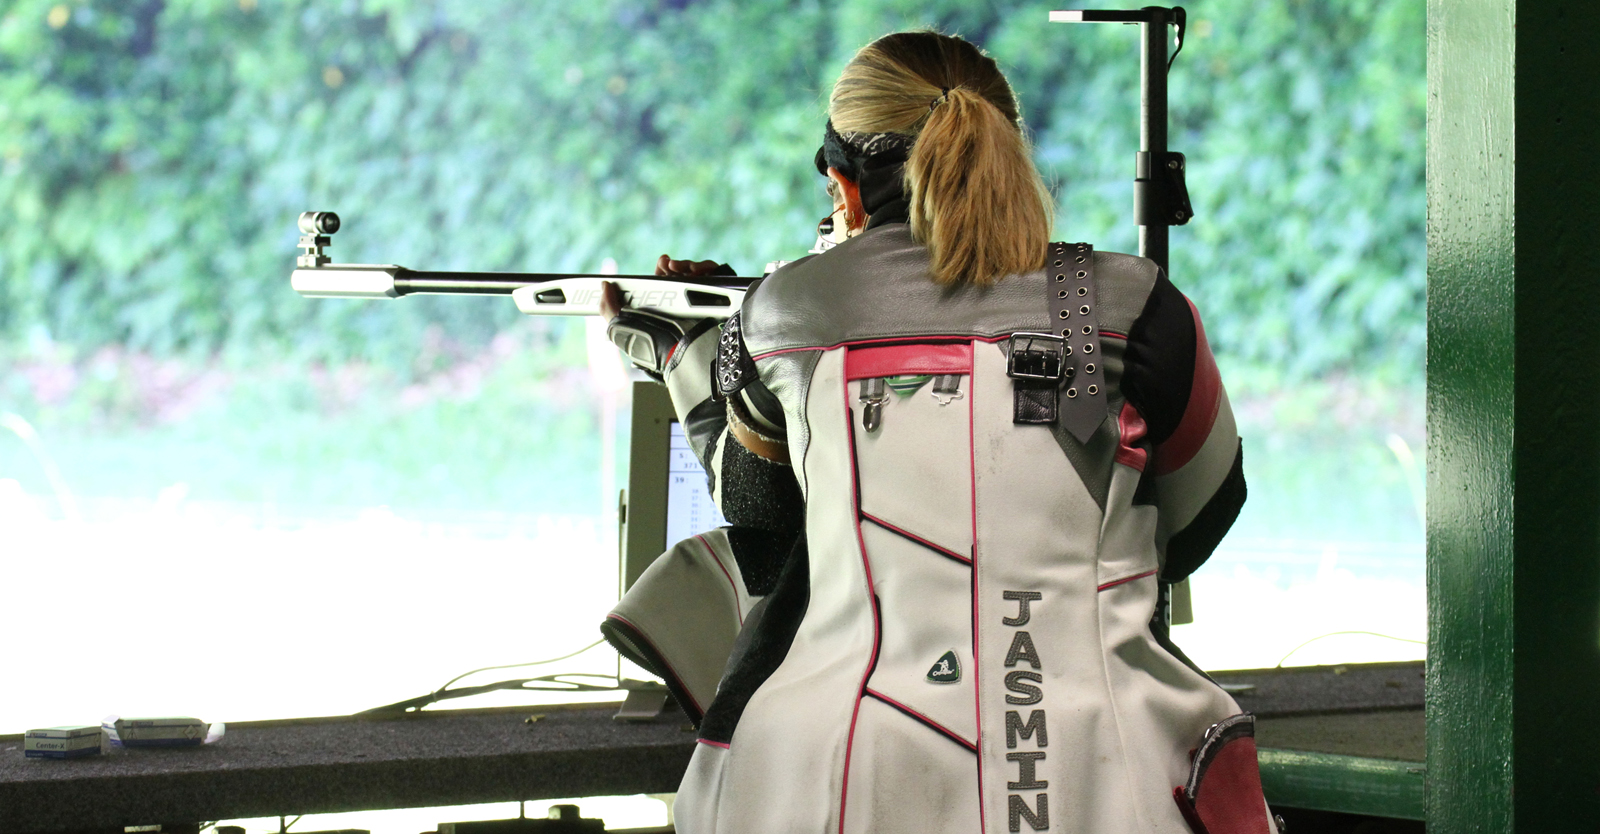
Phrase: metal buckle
{"type": "Point", "coordinates": [1037, 356]}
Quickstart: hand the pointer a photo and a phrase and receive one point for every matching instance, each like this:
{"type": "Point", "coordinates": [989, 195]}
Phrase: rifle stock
{"type": "Point", "coordinates": [535, 294]}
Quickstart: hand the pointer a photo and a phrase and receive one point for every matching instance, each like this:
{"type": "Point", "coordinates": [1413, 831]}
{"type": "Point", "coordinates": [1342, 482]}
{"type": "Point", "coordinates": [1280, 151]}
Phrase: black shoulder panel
{"type": "Point", "coordinates": [1158, 369]}
{"type": "Point", "coordinates": [768, 645]}
{"type": "Point", "coordinates": [1190, 547]}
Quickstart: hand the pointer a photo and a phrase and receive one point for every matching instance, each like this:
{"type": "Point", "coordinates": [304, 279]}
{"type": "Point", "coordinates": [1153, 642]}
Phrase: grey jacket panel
{"type": "Point", "coordinates": [789, 379]}
{"type": "Point", "coordinates": [1123, 285]}
{"type": "Point", "coordinates": [882, 279]}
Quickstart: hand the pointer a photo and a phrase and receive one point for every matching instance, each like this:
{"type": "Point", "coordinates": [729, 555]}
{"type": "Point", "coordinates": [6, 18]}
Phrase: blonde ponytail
{"type": "Point", "coordinates": [977, 201]}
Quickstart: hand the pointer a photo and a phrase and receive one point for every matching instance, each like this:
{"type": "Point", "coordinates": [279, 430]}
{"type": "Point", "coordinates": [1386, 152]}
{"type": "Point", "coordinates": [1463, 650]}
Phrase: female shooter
{"type": "Point", "coordinates": [969, 457]}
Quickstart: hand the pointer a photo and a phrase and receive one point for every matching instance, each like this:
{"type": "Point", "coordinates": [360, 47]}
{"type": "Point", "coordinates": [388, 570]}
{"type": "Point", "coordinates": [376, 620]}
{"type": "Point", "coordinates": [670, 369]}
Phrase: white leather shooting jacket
{"type": "Point", "coordinates": [967, 637]}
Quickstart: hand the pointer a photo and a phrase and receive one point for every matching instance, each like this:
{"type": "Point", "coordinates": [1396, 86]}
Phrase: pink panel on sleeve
{"type": "Point", "coordinates": [1131, 429]}
{"type": "Point", "coordinates": [1205, 395]}
{"type": "Point", "coordinates": [893, 360]}
{"type": "Point", "coordinates": [1229, 799]}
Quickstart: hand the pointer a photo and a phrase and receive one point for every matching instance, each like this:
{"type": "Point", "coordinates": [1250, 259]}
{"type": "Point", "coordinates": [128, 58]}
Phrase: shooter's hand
{"type": "Point", "coordinates": [666, 266]}
{"type": "Point", "coordinates": [611, 302]}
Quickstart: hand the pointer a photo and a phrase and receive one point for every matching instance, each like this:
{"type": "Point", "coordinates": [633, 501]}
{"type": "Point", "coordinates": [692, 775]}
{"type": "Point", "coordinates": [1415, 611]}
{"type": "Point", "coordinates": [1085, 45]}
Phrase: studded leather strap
{"type": "Point", "coordinates": [1069, 273]}
{"type": "Point", "coordinates": [734, 367]}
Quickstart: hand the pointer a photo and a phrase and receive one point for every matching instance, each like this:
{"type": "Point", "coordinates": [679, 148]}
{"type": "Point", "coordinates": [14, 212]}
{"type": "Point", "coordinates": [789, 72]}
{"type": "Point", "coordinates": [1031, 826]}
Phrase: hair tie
{"type": "Point", "coordinates": [944, 93]}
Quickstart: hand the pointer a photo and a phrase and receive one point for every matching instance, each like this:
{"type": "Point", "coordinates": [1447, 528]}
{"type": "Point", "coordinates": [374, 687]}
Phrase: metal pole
{"type": "Point", "coordinates": [1160, 197]}
{"type": "Point", "coordinates": [1153, 133]}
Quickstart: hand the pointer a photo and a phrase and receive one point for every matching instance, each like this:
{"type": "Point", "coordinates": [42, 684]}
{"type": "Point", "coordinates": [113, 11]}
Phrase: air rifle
{"type": "Point", "coordinates": [536, 293]}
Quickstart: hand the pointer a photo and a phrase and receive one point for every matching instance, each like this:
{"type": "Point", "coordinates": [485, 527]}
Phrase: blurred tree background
{"type": "Point", "coordinates": [154, 155]}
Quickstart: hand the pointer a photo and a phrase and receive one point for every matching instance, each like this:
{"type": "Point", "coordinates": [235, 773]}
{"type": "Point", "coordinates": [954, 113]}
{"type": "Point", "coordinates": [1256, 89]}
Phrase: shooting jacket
{"type": "Point", "coordinates": [965, 635]}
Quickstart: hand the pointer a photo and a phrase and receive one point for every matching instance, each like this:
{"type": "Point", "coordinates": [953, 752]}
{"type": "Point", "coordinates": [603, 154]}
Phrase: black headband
{"type": "Point", "coordinates": [847, 152]}
{"type": "Point", "coordinates": [872, 161]}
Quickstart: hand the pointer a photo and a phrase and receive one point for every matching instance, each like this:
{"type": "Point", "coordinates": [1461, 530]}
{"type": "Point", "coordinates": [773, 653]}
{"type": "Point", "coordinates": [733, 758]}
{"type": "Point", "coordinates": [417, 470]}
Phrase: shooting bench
{"type": "Point", "coordinates": [1332, 738]}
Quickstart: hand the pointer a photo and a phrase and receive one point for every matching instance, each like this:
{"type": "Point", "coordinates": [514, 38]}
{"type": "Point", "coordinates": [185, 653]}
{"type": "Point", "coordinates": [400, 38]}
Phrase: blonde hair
{"type": "Point", "coordinates": [977, 201]}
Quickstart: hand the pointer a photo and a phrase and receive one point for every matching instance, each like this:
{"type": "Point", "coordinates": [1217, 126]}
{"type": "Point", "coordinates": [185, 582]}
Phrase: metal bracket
{"type": "Point", "coordinates": [1161, 196]}
{"type": "Point", "coordinates": [1158, 15]}
{"type": "Point", "coordinates": [313, 256]}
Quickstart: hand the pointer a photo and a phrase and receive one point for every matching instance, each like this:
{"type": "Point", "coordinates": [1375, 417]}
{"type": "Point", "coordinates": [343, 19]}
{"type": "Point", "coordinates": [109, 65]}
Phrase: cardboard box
{"type": "Point", "coordinates": [61, 742]}
{"type": "Point", "coordinates": [161, 732]}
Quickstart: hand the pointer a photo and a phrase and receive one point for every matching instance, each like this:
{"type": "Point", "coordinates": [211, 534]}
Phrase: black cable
{"type": "Point", "coordinates": [445, 693]}
{"type": "Point", "coordinates": [520, 665]}
{"type": "Point", "coordinates": [419, 702]}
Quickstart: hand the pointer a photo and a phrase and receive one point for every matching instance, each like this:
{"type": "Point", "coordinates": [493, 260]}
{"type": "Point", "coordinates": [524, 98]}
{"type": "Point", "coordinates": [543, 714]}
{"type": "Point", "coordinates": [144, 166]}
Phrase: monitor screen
{"type": "Point", "coordinates": [690, 509]}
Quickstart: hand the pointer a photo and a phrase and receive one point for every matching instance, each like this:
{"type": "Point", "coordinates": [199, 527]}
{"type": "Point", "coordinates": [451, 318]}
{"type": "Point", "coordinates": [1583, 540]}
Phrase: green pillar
{"type": "Point", "coordinates": [1513, 416]}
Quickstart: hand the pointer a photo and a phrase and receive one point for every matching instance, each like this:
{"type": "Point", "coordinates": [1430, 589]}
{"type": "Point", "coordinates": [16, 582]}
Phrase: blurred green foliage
{"type": "Point", "coordinates": [154, 155]}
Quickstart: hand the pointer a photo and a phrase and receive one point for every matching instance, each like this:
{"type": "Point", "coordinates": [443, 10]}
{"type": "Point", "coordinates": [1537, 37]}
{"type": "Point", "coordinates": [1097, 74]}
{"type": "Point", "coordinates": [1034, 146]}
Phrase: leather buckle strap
{"type": "Point", "coordinates": [1037, 364]}
{"type": "Point", "coordinates": [1039, 372]}
{"type": "Point", "coordinates": [1037, 356]}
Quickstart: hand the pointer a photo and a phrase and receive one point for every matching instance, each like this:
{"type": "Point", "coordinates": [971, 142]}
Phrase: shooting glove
{"type": "Point", "coordinates": [647, 338]}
